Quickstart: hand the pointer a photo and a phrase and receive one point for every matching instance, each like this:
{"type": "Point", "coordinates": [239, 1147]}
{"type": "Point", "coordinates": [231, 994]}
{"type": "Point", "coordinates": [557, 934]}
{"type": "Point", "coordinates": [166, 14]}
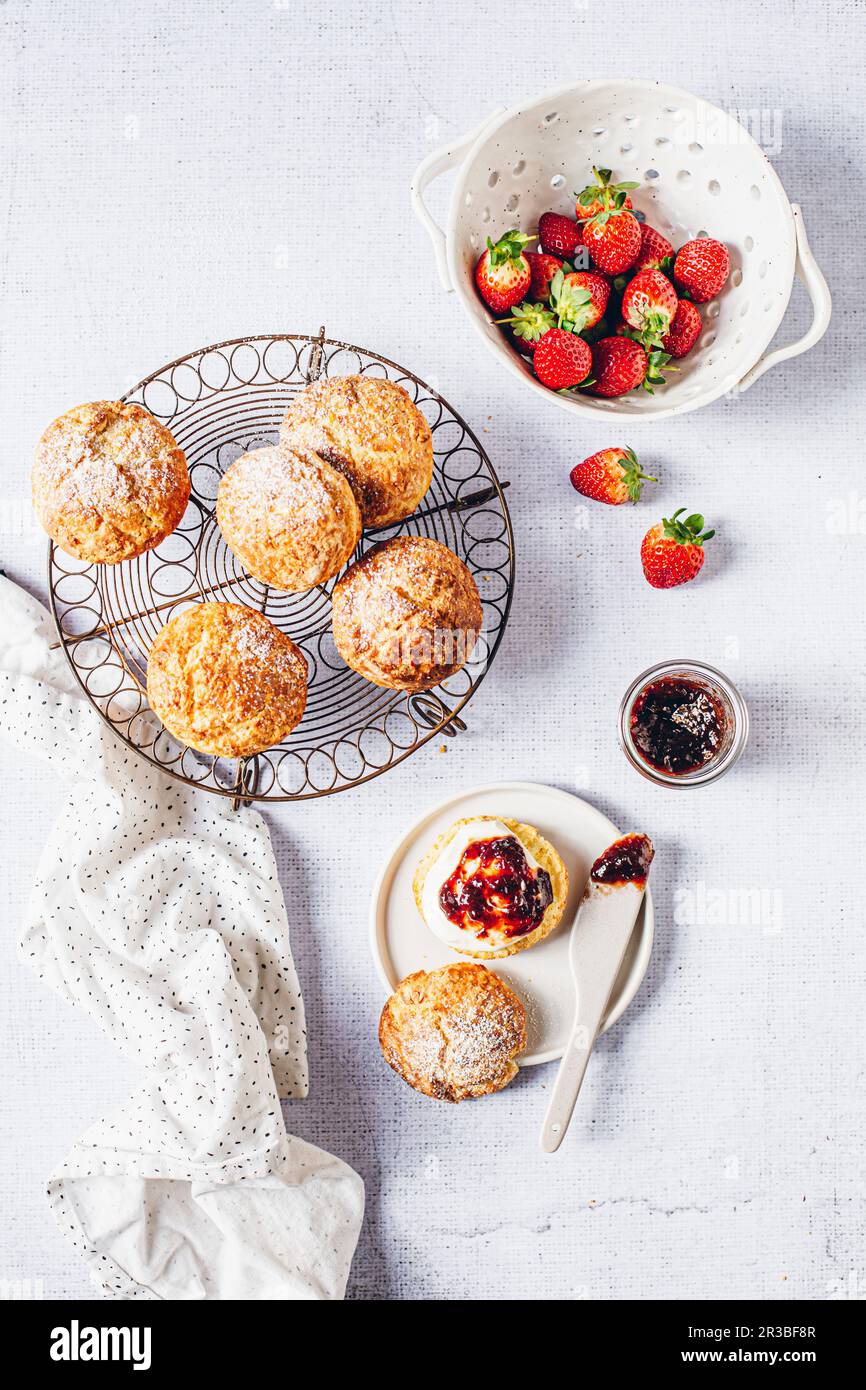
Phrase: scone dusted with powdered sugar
{"type": "Point", "coordinates": [291, 519]}
{"type": "Point", "coordinates": [372, 431]}
{"type": "Point", "coordinates": [224, 680]}
{"type": "Point", "coordinates": [109, 482]}
{"type": "Point", "coordinates": [453, 1033]}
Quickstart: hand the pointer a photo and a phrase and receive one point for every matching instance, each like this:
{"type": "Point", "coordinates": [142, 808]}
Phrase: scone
{"type": "Point", "coordinates": [374, 433]}
{"type": "Point", "coordinates": [291, 519]}
{"type": "Point", "coordinates": [489, 887]}
{"type": "Point", "coordinates": [224, 680]}
{"type": "Point", "coordinates": [453, 1033]}
{"type": "Point", "coordinates": [407, 614]}
{"type": "Point", "coordinates": [109, 482]}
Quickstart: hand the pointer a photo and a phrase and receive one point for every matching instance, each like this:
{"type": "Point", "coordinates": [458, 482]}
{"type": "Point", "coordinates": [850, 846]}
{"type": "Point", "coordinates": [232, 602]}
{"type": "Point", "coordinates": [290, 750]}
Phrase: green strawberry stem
{"type": "Point", "coordinates": [509, 247]}
{"type": "Point", "coordinates": [688, 532]}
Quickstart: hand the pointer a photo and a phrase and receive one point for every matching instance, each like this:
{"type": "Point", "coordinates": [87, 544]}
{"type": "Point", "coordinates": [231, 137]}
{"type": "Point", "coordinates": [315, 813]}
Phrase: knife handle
{"type": "Point", "coordinates": [566, 1088]}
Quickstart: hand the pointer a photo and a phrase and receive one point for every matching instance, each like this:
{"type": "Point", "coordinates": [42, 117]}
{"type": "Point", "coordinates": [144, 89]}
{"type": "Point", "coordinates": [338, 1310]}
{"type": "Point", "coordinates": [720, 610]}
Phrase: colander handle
{"type": "Point", "coordinates": [439, 162]}
{"type": "Point", "coordinates": [816, 286]}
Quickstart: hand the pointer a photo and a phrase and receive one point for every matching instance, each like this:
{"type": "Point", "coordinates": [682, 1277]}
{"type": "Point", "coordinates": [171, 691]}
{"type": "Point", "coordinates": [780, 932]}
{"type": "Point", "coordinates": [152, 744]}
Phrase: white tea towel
{"type": "Point", "coordinates": [158, 910]}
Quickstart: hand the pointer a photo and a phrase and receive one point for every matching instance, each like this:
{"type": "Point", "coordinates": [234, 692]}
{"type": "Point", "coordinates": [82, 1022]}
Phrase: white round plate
{"type": "Point", "coordinates": [541, 976]}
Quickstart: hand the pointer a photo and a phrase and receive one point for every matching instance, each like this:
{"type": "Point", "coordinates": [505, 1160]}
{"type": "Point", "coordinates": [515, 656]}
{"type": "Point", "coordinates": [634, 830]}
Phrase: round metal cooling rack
{"type": "Point", "coordinates": [218, 403]}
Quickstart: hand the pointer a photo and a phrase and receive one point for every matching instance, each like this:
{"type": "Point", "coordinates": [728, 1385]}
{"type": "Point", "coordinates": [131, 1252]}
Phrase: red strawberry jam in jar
{"type": "Point", "coordinates": [683, 723]}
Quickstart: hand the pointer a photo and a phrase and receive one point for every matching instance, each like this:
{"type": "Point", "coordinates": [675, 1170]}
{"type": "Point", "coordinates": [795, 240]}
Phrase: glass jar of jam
{"type": "Point", "coordinates": [683, 724]}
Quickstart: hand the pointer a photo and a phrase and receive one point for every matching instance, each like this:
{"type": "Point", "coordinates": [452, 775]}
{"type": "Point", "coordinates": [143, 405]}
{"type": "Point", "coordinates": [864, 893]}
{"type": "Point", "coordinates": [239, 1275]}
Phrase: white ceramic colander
{"type": "Point", "coordinates": [700, 172]}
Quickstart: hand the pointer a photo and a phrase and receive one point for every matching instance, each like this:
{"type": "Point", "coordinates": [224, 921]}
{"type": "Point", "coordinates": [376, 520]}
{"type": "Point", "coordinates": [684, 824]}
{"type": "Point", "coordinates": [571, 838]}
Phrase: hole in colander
{"type": "Point", "coordinates": [696, 148]}
{"type": "Point", "coordinates": [651, 174]}
{"type": "Point", "coordinates": [468, 200]}
{"type": "Point", "coordinates": [630, 118]}
{"type": "Point", "coordinates": [714, 187]}
{"type": "Point", "coordinates": [600, 130]}
{"type": "Point", "coordinates": [551, 117]}
{"type": "Point", "coordinates": [511, 204]}
{"type": "Point", "coordinates": [762, 269]}
{"type": "Point", "coordinates": [638, 215]}
{"type": "Point", "coordinates": [485, 216]}
{"type": "Point", "coordinates": [702, 232]}
{"type": "Point", "coordinates": [684, 176]}
{"type": "Point", "coordinates": [519, 168]}
{"type": "Point", "coordinates": [744, 310]}
{"type": "Point", "coordinates": [713, 310]}
{"type": "Point", "coordinates": [768, 304]}
{"type": "Point", "coordinates": [755, 192]}
{"type": "Point", "coordinates": [492, 179]}
{"type": "Point", "coordinates": [672, 110]}
{"type": "Point", "coordinates": [708, 340]}
{"type": "Point", "coordinates": [737, 277]}
{"type": "Point", "coordinates": [739, 338]}
{"type": "Point", "coordinates": [749, 243]}
{"type": "Point", "coordinates": [662, 140]}
{"type": "Point", "coordinates": [626, 148]}
{"type": "Point", "coordinates": [557, 181]}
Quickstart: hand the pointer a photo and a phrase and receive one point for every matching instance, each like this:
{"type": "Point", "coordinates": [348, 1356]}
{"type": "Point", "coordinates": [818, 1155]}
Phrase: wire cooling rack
{"type": "Point", "coordinates": [220, 402]}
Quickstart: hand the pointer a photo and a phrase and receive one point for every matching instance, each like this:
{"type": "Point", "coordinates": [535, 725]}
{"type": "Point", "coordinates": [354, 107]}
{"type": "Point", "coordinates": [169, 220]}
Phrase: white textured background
{"type": "Point", "coordinates": [157, 161]}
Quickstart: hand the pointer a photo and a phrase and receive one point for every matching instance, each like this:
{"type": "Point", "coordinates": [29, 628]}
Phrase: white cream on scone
{"type": "Point", "coordinates": [459, 938]}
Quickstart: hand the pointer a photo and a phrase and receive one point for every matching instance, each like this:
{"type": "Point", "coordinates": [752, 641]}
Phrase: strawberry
{"type": "Point", "coordinates": [558, 235]}
{"type": "Point", "coordinates": [579, 299]}
{"type": "Point", "coordinates": [619, 364]}
{"type": "Point", "coordinates": [602, 196]}
{"type": "Point", "coordinates": [612, 475]}
{"type": "Point", "coordinates": [656, 252]}
{"type": "Point", "coordinates": [543, 268]}
{"type": "Point", "coordinates": [561, 360]}
{"type": "Point", "coordinates": [649, 304]}
{"type": "Point", "coordinates": [529, 323]}
{"type": "Point", "coordinates": [503, 275]}
{"type": "Point", "coordinates": [673, 551]}
{"type": "Point", "coordinates": [684, 331]}
{"type": "Point", "coordinates": [613, 240]}
{"type": "Point", "coordinates": [702, 267]}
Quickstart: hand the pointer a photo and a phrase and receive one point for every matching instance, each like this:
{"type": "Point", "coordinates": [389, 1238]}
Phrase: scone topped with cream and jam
{"type": "Point", "coordinates": [490, 887]}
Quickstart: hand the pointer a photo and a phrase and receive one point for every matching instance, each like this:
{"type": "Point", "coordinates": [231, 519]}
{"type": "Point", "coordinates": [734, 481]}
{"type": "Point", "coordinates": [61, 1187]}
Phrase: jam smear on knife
{"type": "Point", "coordinates": [627, 860]}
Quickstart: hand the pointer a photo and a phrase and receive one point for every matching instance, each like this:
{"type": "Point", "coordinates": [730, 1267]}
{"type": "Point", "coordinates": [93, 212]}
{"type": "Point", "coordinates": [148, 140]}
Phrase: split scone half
{"type": "Point", "coordinates": [490, 887]}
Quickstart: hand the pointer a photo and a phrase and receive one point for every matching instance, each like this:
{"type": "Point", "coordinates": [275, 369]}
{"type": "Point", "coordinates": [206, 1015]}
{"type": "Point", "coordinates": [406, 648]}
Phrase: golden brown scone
{"type": "Point", "coordinates": [453, 1033]}
{"type": "Point", "coordinates": [497, 939]}
{"type": "Point", "coordinates": [407, 614]}
{"type": "Point", "coordinates": [109, 482]}
{"type": "Point", "coordinates": [224, 680]}
{"type": "Point", "coordinates": [291, 519]}
{"type": "Point", "coordinates": [374, 433]}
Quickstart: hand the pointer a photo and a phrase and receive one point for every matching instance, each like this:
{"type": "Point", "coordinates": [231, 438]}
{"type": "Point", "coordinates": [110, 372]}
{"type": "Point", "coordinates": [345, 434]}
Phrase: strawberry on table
{"type": "Point", "coordinates": [529, 323]}
{"type": "Point", "coordinates": [656, 252]}
{"type": "Point", "coordinates": [602, 195]}
{"type": "Point", "coordinates": [673, 551]}
{"type": "Point", "coordinates": [543, 268]}
{"type": "Point", "coordinates": [613, 476]}
{"type": "Point", "coordinates": [558, 235]}
{"type": "Point", "coordinates": [613, 240]}
{"type": "Point", "coordinates": [684, 331]}
{"type": "Point", "coordinates": [503, 275]}
{"type": "Point", "coordinates": [562, 360]}
{"type": "Point", "coordinates": [579, 299]}
{"type": "Point", "coordinates": [702, 267]}
{"type": "Point", "coordinates": [649, 303]}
